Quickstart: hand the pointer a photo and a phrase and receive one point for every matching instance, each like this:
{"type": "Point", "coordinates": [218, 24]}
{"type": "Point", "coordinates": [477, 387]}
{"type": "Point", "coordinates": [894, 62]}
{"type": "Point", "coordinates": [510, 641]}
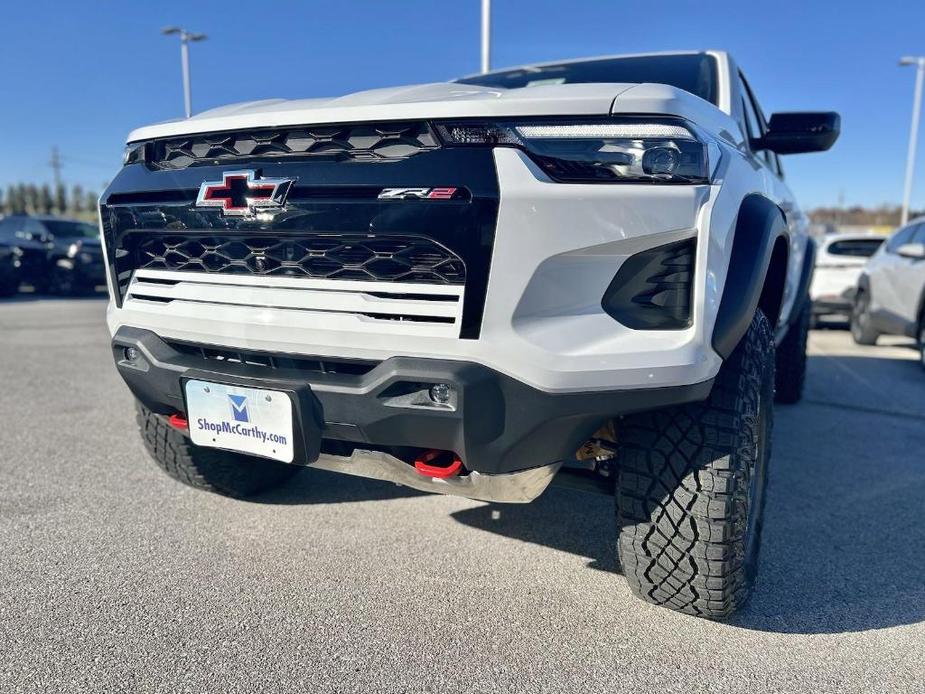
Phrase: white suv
{"type": "Point", "coordinates": [466, 287]}
{"type": "Point", "coordinates": [839, 261]}
{"type": "Point", "coordinates": [890, 297]}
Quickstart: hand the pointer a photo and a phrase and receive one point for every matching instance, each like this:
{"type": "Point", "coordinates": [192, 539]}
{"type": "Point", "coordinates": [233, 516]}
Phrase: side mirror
{"type": "Point", "coordinates": [914, 251]}
{"type": "Point", "coordinates": [804, 131]}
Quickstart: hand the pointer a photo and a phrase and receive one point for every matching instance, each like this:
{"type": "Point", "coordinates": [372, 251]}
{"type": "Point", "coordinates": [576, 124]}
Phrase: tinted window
{"type": "Point", "coordinates": [694, 73]}
{"type": "Point", "coordinates": [71, 230]}
{"type": "Point", "coordinates": [859, 248]}
{"type": "Point", "coordinates": [755, 121]}
{"type": "Point", "coordinates": [902, 236]}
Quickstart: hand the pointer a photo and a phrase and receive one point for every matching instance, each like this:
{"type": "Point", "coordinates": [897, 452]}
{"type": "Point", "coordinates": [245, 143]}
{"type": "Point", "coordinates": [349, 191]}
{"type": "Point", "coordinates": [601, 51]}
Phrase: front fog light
{"type": "Point", "coordinates": [441, 393]}
{"type": "Point", "coordinates": [130, 353]}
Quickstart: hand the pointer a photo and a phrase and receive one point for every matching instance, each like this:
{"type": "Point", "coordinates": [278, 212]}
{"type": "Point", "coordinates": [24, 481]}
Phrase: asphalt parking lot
{"type": "Point", "coordinates": [115, 578]}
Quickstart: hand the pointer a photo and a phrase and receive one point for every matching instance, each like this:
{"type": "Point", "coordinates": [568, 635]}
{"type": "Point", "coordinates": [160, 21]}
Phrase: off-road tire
{"type": "Point", "coordinates": [229, 474]}
{"type": "Point", "coordinates": [861, 329]}
{"type": "Point", "coordinates": [690, 488]}
{"type": "Point", "coordinates": [790, 359]}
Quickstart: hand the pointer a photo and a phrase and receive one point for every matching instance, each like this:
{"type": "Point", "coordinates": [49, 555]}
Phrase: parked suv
{"type": "Point", "coordinates": [839, 262]}
{"type": "Point", "coordinates": [59, 255]}
{"type": "Point", "coordinates": [466, 287]}
{"type": "Point", "coordinates": [890, 297]}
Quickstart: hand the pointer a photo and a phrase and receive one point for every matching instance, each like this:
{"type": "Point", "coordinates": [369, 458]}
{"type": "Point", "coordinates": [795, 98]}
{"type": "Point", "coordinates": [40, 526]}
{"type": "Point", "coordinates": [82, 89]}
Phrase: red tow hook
{"type": "Point", "coordinates": [178, 421]}
{"type": "Point", "coordinates": [423, 464]}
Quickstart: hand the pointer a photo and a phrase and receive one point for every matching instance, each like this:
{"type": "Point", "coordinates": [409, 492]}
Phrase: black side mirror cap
{"type": "Point", "coordinates": [799, 132]}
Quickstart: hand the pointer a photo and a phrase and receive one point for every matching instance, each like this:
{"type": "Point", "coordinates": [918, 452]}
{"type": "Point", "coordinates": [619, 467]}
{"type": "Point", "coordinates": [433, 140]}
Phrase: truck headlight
{"type": "Point", "coordinates": [663, 150]}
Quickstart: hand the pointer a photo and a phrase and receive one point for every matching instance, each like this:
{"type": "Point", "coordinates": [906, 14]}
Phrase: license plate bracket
{"type": "Point", "coordinates": [306, 412]}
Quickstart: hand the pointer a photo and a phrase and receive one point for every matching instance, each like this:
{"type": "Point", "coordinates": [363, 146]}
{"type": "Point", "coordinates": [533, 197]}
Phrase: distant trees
{"type": "Point", "coordinates": [46, 202]}
{"type": "Point", "coordinates": [29, 198]}
{"type": "Point", "coordinates": [882, 216]}
{"type": "Point", "coordinates": [60, 199]}
{"type": "Point", "coordinates": [77, 199]}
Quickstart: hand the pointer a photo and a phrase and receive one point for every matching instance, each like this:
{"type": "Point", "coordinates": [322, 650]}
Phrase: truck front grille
{"type": "Point", "coordinates": [356, 257]}
{"type": "Point", "coordinates": [360, 141]}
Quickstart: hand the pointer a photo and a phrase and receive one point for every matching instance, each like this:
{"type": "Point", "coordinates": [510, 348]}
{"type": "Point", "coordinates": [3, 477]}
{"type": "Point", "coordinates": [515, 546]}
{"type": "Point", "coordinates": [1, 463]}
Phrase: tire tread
{"type": "Point", "coordinates": [682, 488]}
{"type": "Point", "coordinates": [229, 474]}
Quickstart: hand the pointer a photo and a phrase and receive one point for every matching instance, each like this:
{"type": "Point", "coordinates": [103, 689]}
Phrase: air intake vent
{"type": "Point", "coordinates": [205, 353]}
{"type": "Point", "coordinates": [359, 141]}
{"type": "Point", "coordinates": [382, 259]}
{"type": "Point", "coordinates": [652, 289]}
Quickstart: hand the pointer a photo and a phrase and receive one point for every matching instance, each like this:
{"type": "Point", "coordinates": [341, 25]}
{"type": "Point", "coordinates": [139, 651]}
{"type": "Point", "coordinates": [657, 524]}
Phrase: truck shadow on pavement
{"type": "Point", "coordinates": [322, 487]}
{"type": "Point", "coordinates": [844, 542]}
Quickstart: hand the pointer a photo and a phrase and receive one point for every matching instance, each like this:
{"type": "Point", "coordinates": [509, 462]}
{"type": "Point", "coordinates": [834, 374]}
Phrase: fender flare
{"type": "Point", "coordinates": [759, 224]}
{"type": "Point", "coordinates": [801, 298]}
{"type": "Point", "coordinates": [806, 276]}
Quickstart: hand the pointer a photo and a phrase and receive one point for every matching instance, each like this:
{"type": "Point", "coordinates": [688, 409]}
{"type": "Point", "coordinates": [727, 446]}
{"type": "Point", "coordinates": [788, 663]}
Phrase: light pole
{"type": "Point", "coordinates": [918, 61]}
{"type": "Point", "coordinates": [486, 35]}
{"type": "Point", "coordinates": [185, 39]}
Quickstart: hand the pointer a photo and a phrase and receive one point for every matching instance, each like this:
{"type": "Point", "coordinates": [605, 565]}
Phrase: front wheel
{"type": "Point", "coordinates": [229, 474]}
{"type": "Point", "coordinates": [861, 329]}
{"type": "Point", "coordinates": [690, 488]}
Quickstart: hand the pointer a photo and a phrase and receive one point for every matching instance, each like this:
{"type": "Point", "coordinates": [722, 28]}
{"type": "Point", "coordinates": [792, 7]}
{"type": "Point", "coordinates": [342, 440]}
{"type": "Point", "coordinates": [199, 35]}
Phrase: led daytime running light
{"type": "Point", "coordinates": [605, 130]}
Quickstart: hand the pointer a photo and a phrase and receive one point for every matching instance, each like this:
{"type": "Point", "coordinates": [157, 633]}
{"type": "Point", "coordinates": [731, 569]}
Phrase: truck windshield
{"type": "Point", "coordinates": [692, 72]}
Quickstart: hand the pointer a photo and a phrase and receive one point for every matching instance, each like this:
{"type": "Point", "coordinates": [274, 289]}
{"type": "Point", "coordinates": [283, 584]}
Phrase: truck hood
{"type": "Point", "coordinates": [424, 101]}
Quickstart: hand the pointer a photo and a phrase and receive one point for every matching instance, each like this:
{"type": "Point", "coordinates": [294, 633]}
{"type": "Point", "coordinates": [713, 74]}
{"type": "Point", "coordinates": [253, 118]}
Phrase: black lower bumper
{"type": "Point", "coordinates": [495, 423]}
{"type": "Point", "coordinates": [822, 307]}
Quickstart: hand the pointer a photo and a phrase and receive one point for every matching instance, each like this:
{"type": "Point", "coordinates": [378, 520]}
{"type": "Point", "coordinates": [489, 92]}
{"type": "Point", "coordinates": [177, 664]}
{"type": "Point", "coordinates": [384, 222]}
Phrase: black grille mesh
{"type": "Point", "coordinates": [377, 141]}
{"type": "Point", "coordinates": [384, 258]}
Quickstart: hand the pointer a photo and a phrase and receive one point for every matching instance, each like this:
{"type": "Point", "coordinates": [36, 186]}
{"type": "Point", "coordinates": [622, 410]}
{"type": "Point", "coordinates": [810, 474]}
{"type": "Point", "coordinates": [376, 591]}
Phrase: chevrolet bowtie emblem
{"type": "Point", "coordinates": [243, 193]}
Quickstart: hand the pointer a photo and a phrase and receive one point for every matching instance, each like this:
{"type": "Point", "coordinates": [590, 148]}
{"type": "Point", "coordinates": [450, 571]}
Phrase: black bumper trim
{"type": "Point", "coordinates": [497, 424]}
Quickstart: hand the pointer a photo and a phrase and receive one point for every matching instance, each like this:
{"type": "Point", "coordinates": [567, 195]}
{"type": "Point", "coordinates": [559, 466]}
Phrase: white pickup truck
{"type": "Point", "coordinates": [468, 287]}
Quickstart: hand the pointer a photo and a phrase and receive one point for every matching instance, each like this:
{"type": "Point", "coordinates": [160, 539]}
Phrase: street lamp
{"type": "Point", "coordinates": [919, 61]}
{"type": "Point", "coordinates": [185, 39]}
{"type": "Point", "coordinates": [486, 35]}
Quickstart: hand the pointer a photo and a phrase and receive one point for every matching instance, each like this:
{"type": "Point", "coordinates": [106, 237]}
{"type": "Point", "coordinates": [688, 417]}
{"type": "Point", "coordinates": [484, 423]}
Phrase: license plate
{"type": "Point", "coordinates": [247, 420]}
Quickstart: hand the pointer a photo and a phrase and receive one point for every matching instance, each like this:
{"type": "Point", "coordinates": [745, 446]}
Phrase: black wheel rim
{"type": "Point", "coordinates": [859, 316]}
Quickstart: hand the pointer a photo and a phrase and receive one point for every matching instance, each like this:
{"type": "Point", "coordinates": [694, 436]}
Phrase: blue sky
{"type": "Point", "coordinates": [80, 75]}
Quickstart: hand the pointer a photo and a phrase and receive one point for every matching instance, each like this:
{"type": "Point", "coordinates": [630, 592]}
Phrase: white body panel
{"type": "Point", "coordinates": [836, 274]}
{"type": "Point", "coordinates": [897, 283]}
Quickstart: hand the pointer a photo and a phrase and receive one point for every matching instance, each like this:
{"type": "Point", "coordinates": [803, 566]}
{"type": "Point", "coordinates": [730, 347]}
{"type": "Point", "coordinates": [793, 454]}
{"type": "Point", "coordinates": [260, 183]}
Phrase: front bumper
{"type": "Point", "coordinates": [495, 423]}
{"type": "Point", "coordinates": [833, 303]}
